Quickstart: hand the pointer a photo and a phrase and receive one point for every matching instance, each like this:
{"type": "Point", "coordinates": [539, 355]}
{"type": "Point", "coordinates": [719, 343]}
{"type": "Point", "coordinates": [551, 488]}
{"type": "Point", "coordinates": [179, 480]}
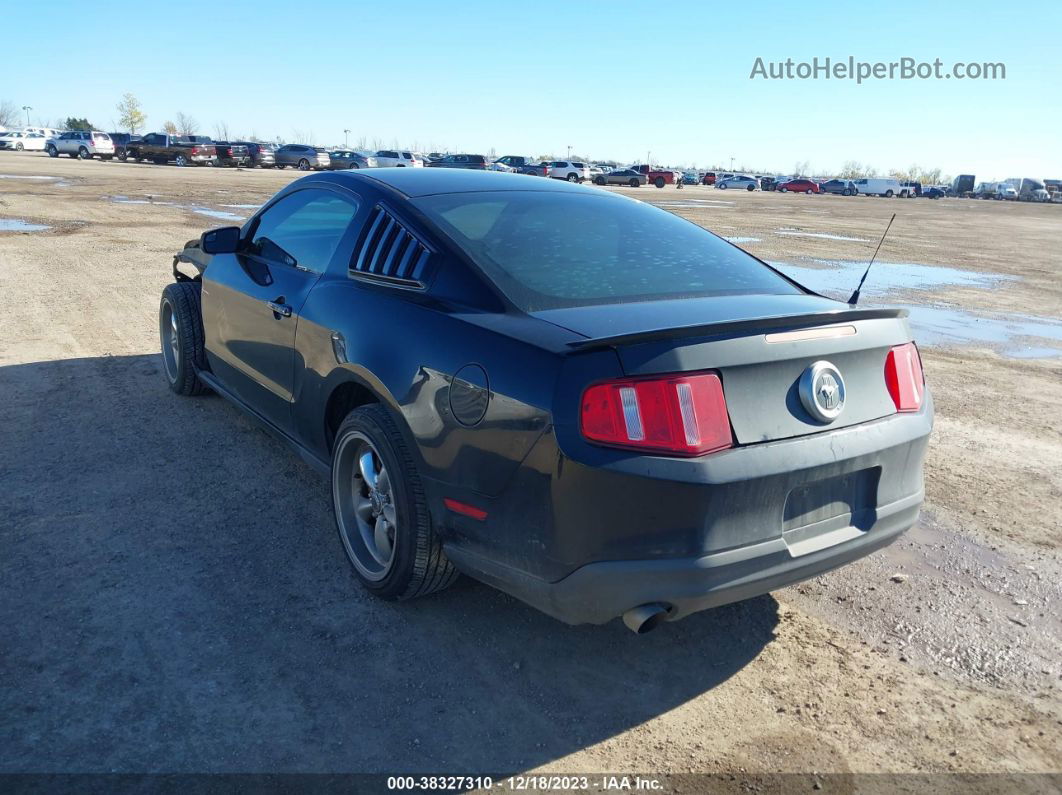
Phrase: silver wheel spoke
{"type": "Point", "coordinates": [382, 541]}
{"type": "Point", "coordinates": [363, 509]}
{"type": "Point", "coordinates": [383, 483]}
{"type": "Point", "coordinates": [389, 514]}
{"type": "Point", "coordinates": [367, 468]}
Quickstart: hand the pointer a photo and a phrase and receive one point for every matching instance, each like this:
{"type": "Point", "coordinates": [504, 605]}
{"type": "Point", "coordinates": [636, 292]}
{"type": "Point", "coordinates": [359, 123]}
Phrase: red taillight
{"type": "Point", "coordinates": [680, 414]}
{"type": "Point", "coordinates": [904, 378]}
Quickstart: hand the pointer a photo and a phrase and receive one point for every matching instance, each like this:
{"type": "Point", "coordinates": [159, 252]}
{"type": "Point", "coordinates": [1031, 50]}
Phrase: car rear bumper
{"type": "Point", "coordinates": [691, 534]}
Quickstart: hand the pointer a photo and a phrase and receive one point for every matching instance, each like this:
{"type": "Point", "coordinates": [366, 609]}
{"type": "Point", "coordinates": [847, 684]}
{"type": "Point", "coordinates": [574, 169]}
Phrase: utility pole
{"type": "Point", "coordinates": [648, 158]}
{"type": "Point", "coordinates": [345, 134]}
{"type": "Point", "coordinates": [27, 108]}
{"type": "Point", "coordinates": [569, 151]}
{"type": "Point", "coordinates": [731, 162]}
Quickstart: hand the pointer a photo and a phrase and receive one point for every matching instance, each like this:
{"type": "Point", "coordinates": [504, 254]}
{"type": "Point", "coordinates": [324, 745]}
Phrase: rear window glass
{"type": "Point", "coordinates": [549, 250]}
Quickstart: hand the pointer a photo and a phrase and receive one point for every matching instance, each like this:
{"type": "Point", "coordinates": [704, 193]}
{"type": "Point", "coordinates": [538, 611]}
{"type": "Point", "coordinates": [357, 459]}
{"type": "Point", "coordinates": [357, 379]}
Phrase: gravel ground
{"type": "Point", "coordinates": [174, 598]}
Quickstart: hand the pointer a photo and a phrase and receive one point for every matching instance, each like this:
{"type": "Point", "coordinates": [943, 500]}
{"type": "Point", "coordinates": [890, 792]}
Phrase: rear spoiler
{"type": "Point", "coordinates": [739, 327]}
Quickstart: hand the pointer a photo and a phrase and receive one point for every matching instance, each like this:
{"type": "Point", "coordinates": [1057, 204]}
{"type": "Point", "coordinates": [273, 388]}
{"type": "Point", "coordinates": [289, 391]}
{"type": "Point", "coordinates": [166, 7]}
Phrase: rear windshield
{"type": "Point", "coordinates": [548, 250]}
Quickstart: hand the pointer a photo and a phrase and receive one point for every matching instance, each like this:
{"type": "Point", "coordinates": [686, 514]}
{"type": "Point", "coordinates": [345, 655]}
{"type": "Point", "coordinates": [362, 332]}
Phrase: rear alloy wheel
{"type": "Point", "coordinates": [180, 160]}
{"type": "Point", "coordinates": [83, 153]}
{"type": "Point", "coordinates": [304, 165]}
{"type": "Point", "coordinates": [18, 147]}
{"type": "Point", "coordinates": [888, 194]}
{"type": "Point", "coordinates": [52, 151]}
{"type": "Point", "coordinates": [846, 192]}
{"type": "Point", "coordinates": [181, 334]}
{"type": "Point", "coordinates": [381, 511]}
{"type": "Point", "coordinates": [573, 178]}
{"type": "Point", "coordinates": [659, 182]}
{"type": "Point", "coordinates": [353, 165]}
{"type": "Point", "coordinates": [809, 191]}
{"type": "Point", "coordinates": [783, 190]}
{"type": "Point", "coordinates": [634, 183]}
{"type": "Point", "coordinates": [751, 188]}
{"type": "Point", "coordinates": [721, 187]}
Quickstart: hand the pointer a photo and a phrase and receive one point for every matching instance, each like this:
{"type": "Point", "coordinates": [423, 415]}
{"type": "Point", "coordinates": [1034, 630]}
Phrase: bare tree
{"type": "Point", "coordinates": [9, 114]}
{"type": "Point", "coordinates": [132, 116]}
{"type": "Point", "coordinates": [169, 128]}
{"type": "Point", "coordinates": [221, 131]}
{"type": "Point", "coordinates": [302, 137]}
{"type": "Point", "coordinates": [186, 125]}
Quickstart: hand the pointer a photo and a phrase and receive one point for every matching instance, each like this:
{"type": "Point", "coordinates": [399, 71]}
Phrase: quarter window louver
{"type": "Point", "coordinates": [389, 252]}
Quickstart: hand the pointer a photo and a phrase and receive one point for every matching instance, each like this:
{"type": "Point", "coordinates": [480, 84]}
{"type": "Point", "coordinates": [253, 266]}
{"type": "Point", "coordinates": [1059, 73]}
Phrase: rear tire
{"type": "Point", "coordinates": [83, 154]}
{"type": "Point", "coordinates": [181, 335]}
{"type": "Point", "coordinates": [304, 165]}
{"type": "Point", "coordinates": [180, 160]}
{"type": "Point", "coordinates": [634, 183]}
{"type": "Point", "coordinates": [659, 182]}
{"type": "Point", "coordinates": [19, 147]}
{"type": "Point", "coordinates": [401, 558]}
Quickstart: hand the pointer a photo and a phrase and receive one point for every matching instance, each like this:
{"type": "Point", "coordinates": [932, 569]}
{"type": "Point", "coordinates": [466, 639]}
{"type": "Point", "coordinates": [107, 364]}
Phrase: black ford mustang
{"type": "Point", "coordinates": [581, 399]}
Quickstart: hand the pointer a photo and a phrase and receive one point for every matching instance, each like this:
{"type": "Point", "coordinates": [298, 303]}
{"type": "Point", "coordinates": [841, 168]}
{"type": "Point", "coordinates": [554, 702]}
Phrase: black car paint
{"type": "Point", "coordinates": [555, 502]}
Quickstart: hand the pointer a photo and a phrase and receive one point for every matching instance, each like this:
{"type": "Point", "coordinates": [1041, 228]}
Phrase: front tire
{"type": "Point", "coordinates": [181, 335]}
{"type": "Point", "coordinates": [381, 511]}
{"type": "Point", "coordinates": [19, 147]}
{"type": "Point", "coordinates": [601, 181]}
{"type": "Point", "coordinates": [52, 151]}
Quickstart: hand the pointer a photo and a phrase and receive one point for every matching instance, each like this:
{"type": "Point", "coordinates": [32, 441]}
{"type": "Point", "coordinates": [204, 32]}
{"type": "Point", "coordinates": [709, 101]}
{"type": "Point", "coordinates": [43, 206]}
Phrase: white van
{"type": "Point", "coordinates": [887, 187]}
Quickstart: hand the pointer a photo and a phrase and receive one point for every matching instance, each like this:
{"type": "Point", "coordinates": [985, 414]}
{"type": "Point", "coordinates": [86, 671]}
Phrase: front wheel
{"type": "Point", "coordinates": [659, 182]}
{"type": "Point", "coordinates": [721, 187]}
{"type": "Point", "coordinates": [181, 334]}
{"type": "Point", "coordinates": [52, 151]}
{"type": "Point", "coordinates": [381, 511]}
{"type": "Point", "coordinates": [18, 147]}
{"type": "Point", "coordinates": [889, 194]}
{"type": "Point", "coordinates": [783, 190]}
{"type": "Point", "coordinates": [846, 192]}
{"type": "Point", "coordinates": [602, 180]}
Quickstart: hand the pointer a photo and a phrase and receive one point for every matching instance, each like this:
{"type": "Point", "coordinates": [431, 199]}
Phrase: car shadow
{"type": "Point", "coordinates": [175, 598]}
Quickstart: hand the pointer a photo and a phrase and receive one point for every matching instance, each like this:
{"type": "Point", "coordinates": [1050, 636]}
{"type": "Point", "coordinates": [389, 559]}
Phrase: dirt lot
{"type": "Point", "coordinates": [174, 597]}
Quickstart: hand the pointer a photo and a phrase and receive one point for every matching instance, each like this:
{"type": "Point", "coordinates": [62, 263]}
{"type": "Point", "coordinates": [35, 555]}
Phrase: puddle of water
{"type": "Point", "coordinates": [820, 235]}
{"type": "Point", "coordinates": [1017, 336]}
{"type": "Point", "coordinates": [126, 200]}
{"type": "Point", "coordinates": [219, 214]}
{"type": "Point", "coordinates": [18, 225]}
{"type": "Point", "coordinates": [841, 276]}
{"type": "Point", "coordinates": [22, 176]}
{"type": "Point", "coordinates": [741, 239]}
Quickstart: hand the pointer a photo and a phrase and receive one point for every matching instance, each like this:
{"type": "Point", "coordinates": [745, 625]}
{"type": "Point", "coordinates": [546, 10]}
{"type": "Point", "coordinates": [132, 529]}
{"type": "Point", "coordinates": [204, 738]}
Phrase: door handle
{"type": "Point", "coordinates": [279, 308]}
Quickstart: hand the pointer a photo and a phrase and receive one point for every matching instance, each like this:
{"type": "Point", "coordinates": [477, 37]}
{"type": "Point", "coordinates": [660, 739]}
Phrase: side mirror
{"type": "Point", "coordinates": [225, 240]}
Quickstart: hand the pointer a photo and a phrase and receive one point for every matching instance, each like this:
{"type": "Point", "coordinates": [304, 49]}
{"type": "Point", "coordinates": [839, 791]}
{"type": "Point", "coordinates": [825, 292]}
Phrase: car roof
{"type": "Point", "coordinates": [427, 181]}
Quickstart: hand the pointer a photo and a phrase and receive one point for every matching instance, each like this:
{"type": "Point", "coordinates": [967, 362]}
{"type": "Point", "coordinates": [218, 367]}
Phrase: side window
{"type": "Point", "coordinates": [303, 229]}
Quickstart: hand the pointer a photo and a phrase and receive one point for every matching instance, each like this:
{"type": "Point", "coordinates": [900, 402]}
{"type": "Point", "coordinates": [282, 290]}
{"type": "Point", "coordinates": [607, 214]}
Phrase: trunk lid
{"type": "Point", "coordinates": [760, 345]}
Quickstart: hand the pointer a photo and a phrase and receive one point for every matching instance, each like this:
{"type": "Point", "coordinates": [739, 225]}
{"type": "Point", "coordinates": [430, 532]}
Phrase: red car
{"type": "Point", "coordinates": [800, 186]}
{"type": "Point", "coordinates": [708, 179]}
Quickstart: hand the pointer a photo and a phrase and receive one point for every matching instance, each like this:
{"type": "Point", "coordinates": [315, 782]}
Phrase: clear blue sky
{"type": "Point", "coordinates": [611, 79]}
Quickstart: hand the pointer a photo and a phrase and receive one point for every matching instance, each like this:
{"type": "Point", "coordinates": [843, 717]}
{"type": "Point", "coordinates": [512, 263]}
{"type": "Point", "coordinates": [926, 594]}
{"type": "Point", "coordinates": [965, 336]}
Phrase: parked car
{"type": "Point", "coordinates": [622, 176]}
{"type": "Point", "coordinates": [391, 158]}
{"type": "Point", "coordinates": [844, 187]}
{"type": "Point", "coordinates": [738, 183]}
{"type": "Point", "coordinates": [708, 178]}
{"type": "Point", "coordinates": [302, 156]}
{"type": "Point", "coordinates": [934, 193]}
{"type": "Point", "coordinates": [121, 142]}
{"type": "Point", "coordinates": [474, 162]}
{"type": "Point", "coordinates": [525, 165]}
{"type": "Point", "coordinates": [468, 379]}
{"type": "Point", "coordinates": [232, 154]}
{"type": "Point", "coordinates": [569, 170]}
{"type": "Point", "coordinates": [657, 176]}
{"type": "Point", "coordinates": [913, 188]}
{"type": "Point", "coordinates": [768, 183]}
{"type": "Point", "coordinates": [342, 159]}
{"type": "Point", "coordinates": [874, 186]}
{"type": "Point", "coordinates": [261, 154]}
{"type": "Point", "coordinates": [161, 148]}
{"type": "Point", "coordinates": [799, 186]}
{"type": "Point", "coordinates": [82, 145]}
{"type": "Point", "coordinates": [19, 141]}
{"type": "Point", "coordinates": [691, 178]}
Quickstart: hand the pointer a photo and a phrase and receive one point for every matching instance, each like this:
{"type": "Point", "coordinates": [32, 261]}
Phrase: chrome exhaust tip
{"type": "Point", "coordinates": [645, 618]}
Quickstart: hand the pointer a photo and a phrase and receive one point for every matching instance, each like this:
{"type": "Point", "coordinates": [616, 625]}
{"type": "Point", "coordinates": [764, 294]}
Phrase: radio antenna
{"type": "Point", "coordinates": [855, 296]}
